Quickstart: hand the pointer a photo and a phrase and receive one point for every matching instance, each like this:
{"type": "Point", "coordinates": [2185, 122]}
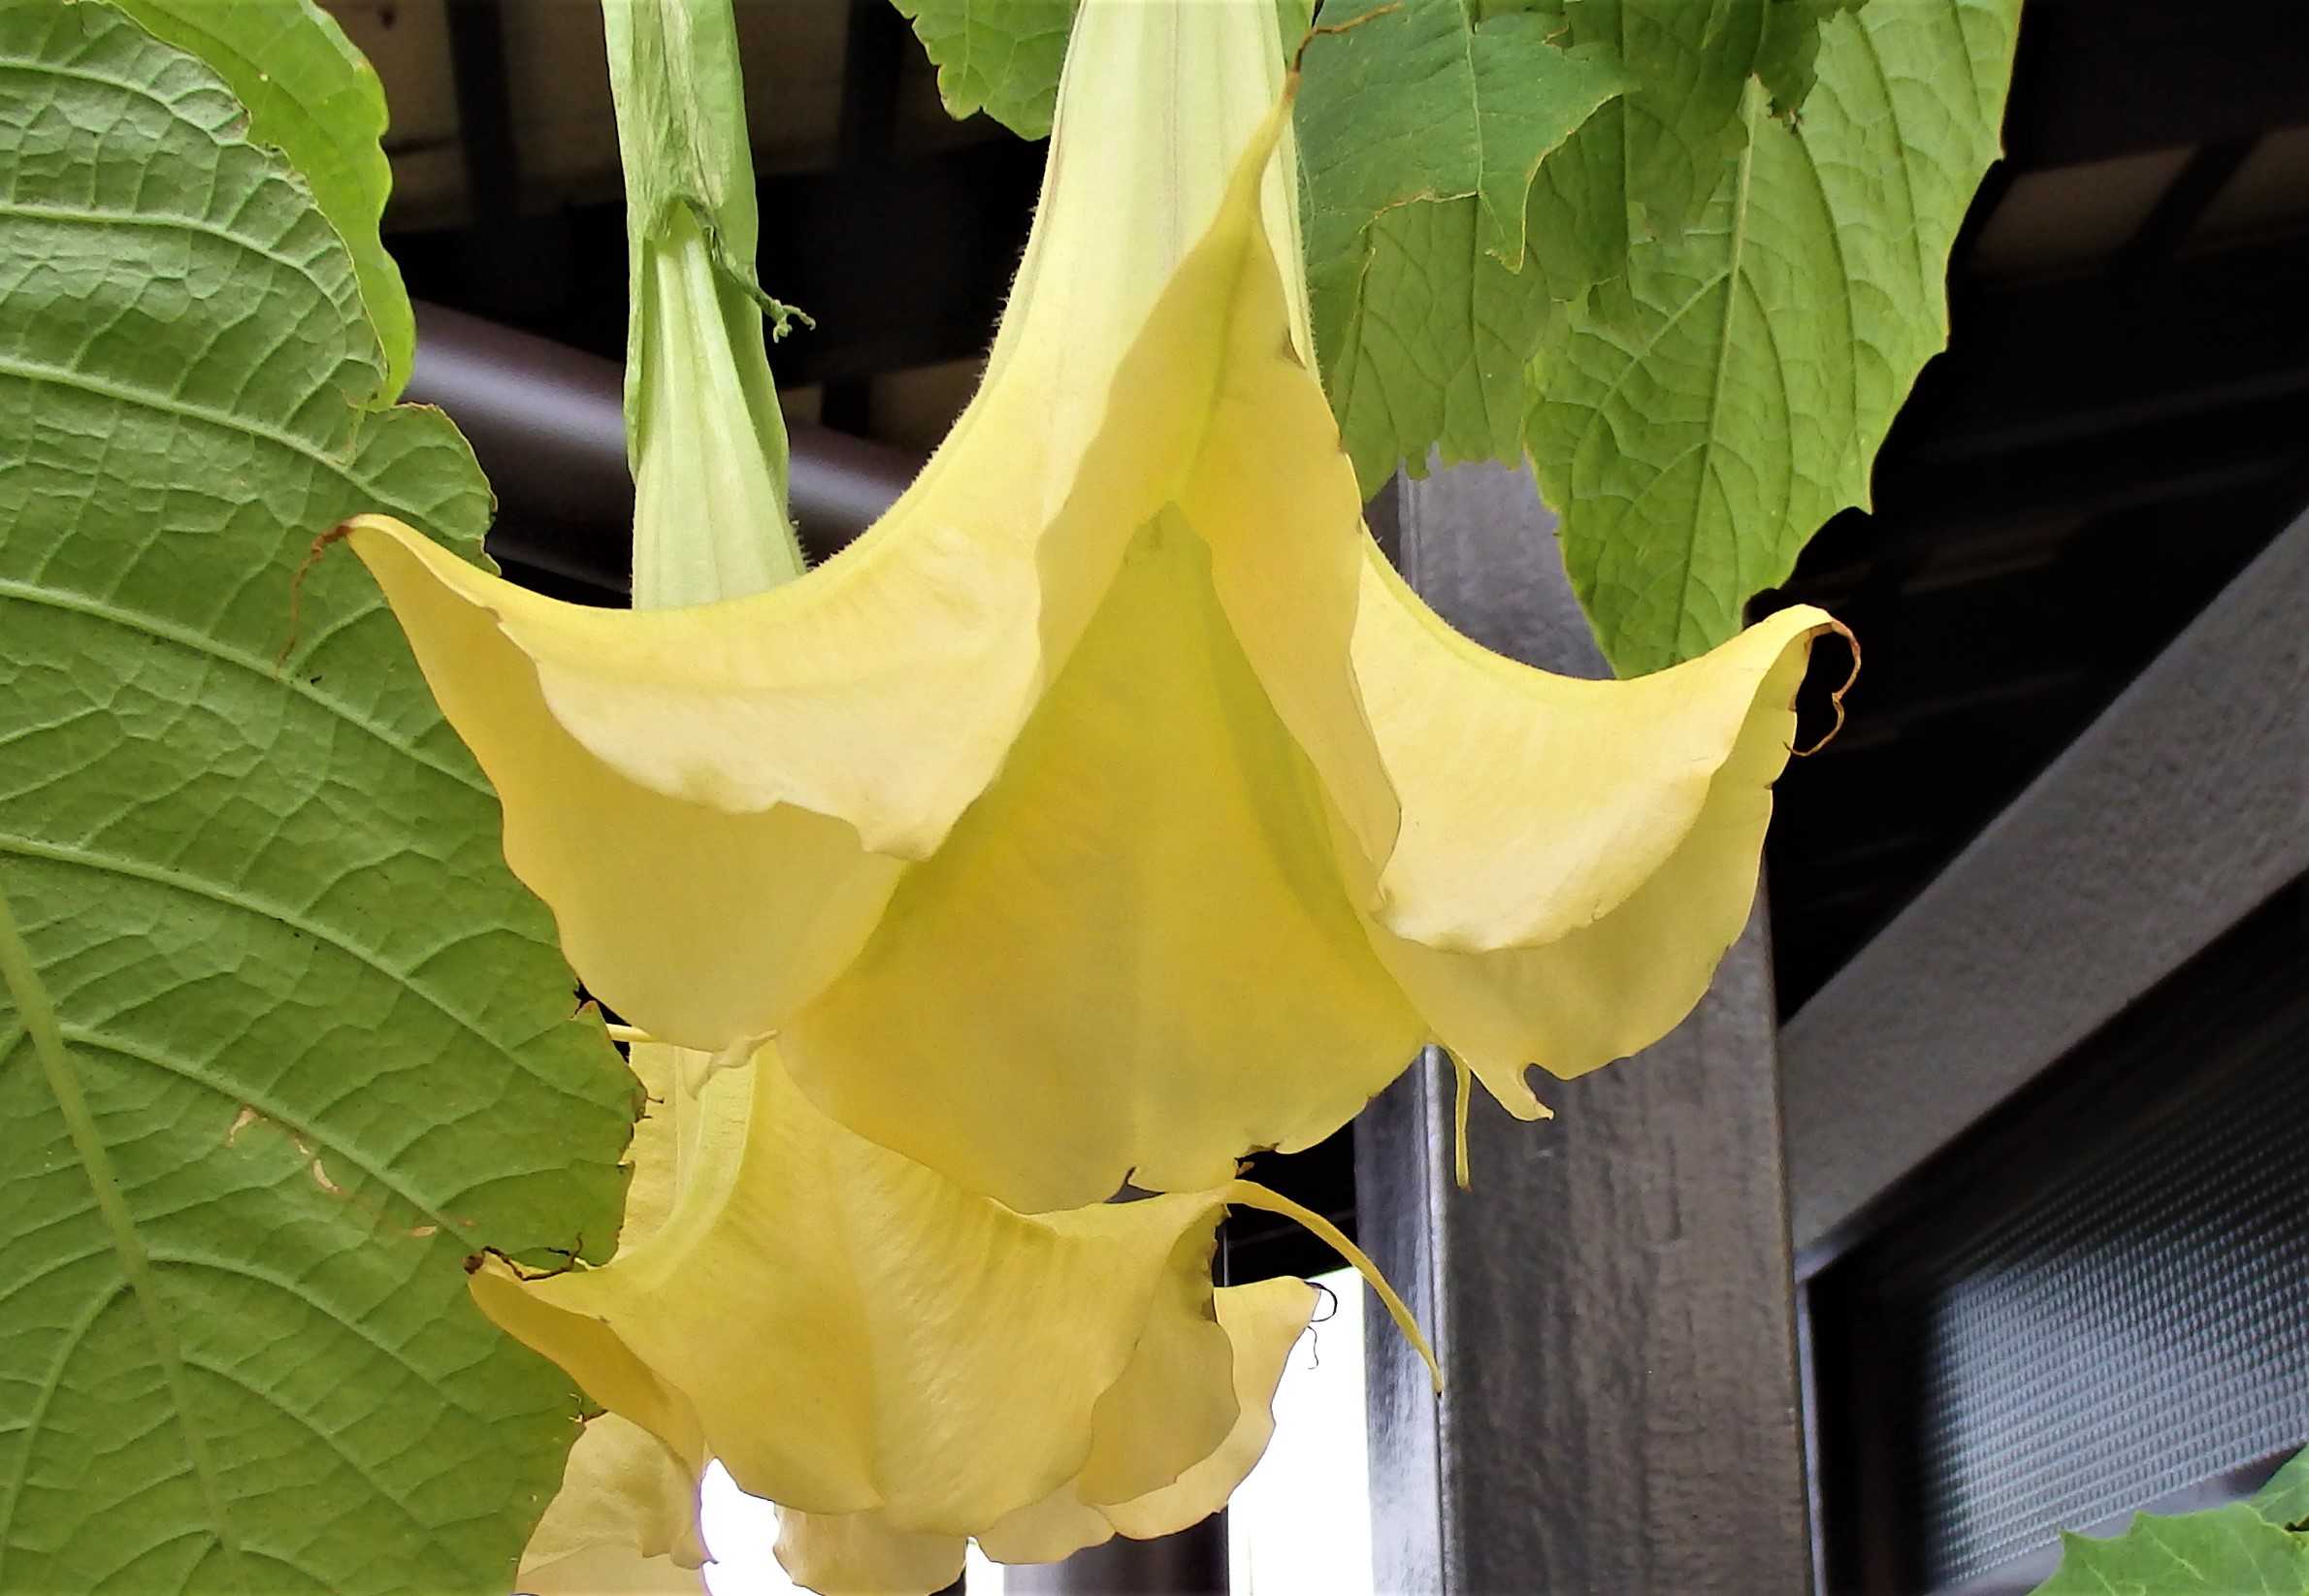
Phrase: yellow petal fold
{"type": "Point", "coordinates": [624, 1523]}
{"type": "Point", "coordinates": [858, 1554]}
{"type": "Point", "coordinates": [1110, 810]}
{"type": "Point", "coordinates": [626, 1517]}
{"type": "Point", "coordinates": [1135, 955]}
{"type": "Point", "coordinates": [1262, 1322]}
{"type": "Point", "coordinates": [861, 1555]}
{"type": "Point", "coordinates": [839, 1325]}
{"type": "Point", "coordinates": [1154, 864]}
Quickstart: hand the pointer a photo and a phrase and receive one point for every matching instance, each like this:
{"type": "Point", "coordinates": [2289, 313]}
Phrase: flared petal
{"type": "Point", "coordinates": [1168, 1440]}
{"type": "Point", "coordinates": [839, 1325]}
{"type": "Point", "coordinates": [1575, 855]}
{"type": "Point", "coordinates": [703, 925]}
{"type": "Point", "coordinates": [626, 1516]}
{"type": "Point", "coordinates": [1047, 1531]}
{"type": "Point", "coordinates": [860, 1555]}
{"type": "Point", "coordinates": [624, 1523]}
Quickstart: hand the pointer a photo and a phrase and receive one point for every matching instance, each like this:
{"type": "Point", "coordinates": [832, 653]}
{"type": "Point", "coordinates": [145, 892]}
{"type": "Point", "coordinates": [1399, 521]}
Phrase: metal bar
{"type": "Point", "coordinates": [2171, 818]}
{"type": "Point", "coordinates": [548, 423]}
{"type": "Point", "coordinates": [827, 251]}
{"type": "Point", "coordinates": [1611, 1301]}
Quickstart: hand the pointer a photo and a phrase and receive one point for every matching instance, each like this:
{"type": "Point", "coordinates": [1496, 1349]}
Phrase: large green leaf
{"type": "Point", "coordinates": [998, 56]}
{"type": "Point", "coordinates": [2242, 1548]}
{"type": "Point", "coordinates": [1600, 126]}
{"type": "Point", "coordinates": [310, 93]}
{"type": "Point", "coordinates": [312, 1045]}
{"type": "Point", "coordinates": [1697, 420]}
{"type": "Point", "coordinates": [1646, 167]}
{"type": "Point", "coordinates": [2227, 1551]}
{"type": "Point", "coordinates": [2284, 1500]}
{"type": "Point", "coordinates": [1419, 135]}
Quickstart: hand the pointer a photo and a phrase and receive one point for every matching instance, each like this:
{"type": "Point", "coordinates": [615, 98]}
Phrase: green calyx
{"type": "Point", "coordinates": [703, 432]}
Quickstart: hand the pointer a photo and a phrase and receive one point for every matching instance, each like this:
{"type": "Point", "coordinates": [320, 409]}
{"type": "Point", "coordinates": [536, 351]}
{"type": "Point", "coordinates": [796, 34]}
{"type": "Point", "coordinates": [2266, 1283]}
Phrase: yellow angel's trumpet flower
{"type": "Point", "coordinates": [899, 1363]}
{"type": "Point", "coordinates": [1111, 808]}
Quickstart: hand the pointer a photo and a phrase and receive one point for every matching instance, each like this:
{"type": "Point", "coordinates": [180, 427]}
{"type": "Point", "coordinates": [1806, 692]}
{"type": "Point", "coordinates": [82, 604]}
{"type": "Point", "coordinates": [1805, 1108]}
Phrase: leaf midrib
{"type": "Point", "coordinates": [21, 977]}
{"type": "Point", "coordinates": [1723, 362]}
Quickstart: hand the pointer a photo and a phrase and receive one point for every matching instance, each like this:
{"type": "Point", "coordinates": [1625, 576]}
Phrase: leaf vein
{"type": "Point", "coordinates": [201, 887]}
{"type": "Point", "coordinates": [190, 638]}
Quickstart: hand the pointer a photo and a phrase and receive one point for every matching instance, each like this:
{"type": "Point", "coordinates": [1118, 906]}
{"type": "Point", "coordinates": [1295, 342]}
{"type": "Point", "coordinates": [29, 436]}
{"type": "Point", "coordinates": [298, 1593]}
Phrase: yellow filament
{"type": "Point", "coordinates": [1459, 1118]}
{"type": "Point", "coordinates": [1249, 1194]}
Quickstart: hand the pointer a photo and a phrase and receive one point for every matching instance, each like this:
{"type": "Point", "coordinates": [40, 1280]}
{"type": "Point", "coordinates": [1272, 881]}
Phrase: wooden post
{"type": "Point", "coordinates": [1612, 1302]}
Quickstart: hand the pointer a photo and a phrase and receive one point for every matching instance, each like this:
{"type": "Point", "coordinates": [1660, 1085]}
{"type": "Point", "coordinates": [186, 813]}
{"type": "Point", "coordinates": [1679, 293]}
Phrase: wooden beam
{"type": "Point", "coordinates": [2043, 363]}
{"type": "Point", "coordinates": [2098, 79]}
{"type": "Point", "coordinates": [1611, 1301]}
{"type": "Point", "coordinates": [2171, 818]}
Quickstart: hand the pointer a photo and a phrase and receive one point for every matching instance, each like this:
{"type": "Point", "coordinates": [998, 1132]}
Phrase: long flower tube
{"type": "Point", "coordinates": [1111, 809]}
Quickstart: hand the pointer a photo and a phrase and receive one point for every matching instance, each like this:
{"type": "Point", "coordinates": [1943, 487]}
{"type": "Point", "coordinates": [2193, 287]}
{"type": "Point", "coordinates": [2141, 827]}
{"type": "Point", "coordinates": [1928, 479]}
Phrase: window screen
{"type": "Point", "coordinates": [2101, 1298]}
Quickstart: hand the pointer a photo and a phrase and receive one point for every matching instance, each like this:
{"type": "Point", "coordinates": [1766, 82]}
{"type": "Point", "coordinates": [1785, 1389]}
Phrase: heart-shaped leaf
{"type": "Point", "coordinates": [280, 1039]}
{"type": "Point", "coordinates": [1697, 420]}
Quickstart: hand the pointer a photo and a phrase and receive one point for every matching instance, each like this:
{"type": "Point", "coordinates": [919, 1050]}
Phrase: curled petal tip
{"type": "Point", "coordinates": [1836, 697]}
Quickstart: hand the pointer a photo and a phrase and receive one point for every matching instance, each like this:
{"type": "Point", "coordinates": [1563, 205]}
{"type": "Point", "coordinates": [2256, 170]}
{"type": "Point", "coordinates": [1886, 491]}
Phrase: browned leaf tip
{"type": "Point", "coordinates": [1317, 28]}
{"type": "Point", "coordinates": [521, 1271]}
{"type": "Point", "coordinates": [313, 557]}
